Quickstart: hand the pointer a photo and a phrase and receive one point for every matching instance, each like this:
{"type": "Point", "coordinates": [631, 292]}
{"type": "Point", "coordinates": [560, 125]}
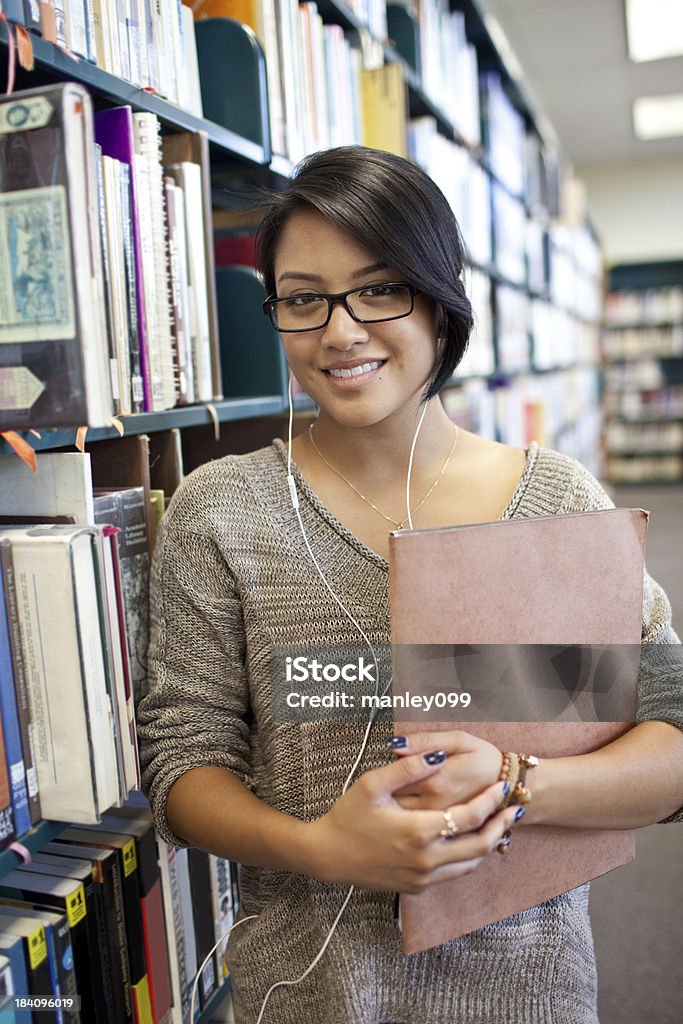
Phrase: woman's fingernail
{"type": "Point", "coordinates": [521, 811]}
{"type": "Point", "coordinates": [506, 789]}
{"type": "Point", "coordinates": [397, 742]}
{"type": "Point", "coordinates": [436, 757]}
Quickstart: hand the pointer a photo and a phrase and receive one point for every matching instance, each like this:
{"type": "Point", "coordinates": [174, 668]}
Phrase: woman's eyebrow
{"type": "Point", "coordinates": [300, 275]}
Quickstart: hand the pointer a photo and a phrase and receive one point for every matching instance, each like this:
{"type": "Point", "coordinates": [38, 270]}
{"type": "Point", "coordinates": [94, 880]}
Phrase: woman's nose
{"type": "Point", "coordinates": [343, 331]}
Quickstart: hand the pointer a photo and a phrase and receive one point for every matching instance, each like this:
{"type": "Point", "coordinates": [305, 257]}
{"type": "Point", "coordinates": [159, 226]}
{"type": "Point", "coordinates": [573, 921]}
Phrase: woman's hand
{"type": "Point", "coordinates": [471, 765]}
{"type": "Point", "coordinates": [368, 839]}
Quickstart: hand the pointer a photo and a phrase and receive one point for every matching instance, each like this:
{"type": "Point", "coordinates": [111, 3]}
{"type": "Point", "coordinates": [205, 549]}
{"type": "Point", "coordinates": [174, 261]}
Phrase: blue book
{"type": "Point", "coordinates": [11, 730]}
{"type": "Point", "coordinates": [13, 948]}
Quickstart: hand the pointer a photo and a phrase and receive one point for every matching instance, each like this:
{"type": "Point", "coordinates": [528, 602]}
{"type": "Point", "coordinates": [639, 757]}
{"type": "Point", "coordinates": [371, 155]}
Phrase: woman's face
{"type": "Point", "coordinates": [316, 256]}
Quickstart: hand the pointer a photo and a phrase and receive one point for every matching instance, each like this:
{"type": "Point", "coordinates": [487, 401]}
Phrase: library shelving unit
{"type": "Point", "coordinates": [643, 373]}
{"type": "Point", "coordinates": [535, 282]}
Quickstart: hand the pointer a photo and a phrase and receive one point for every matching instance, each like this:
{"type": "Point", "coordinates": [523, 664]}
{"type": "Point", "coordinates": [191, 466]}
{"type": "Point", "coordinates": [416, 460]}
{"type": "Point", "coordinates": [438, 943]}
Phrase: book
{"type": "Point", "coordinates": [202, 916]}
{"type": "Point", "coordinates": [18, 672]}
{"type": "Point", "coordinates": [62, 486]}
{"type": "Point", "coordinates": [59, 950]}
{"type": "Point", "coordinates": [7, 830]}
{"type": "Point", "coordinates": [57, 600]}
{"type": "Point", "coordinates": [92, 983]}
{"type": "Point", "coordinates": [16, 769]}
{"type": "Point", "coordinates": [175, 933]}
{"type": "Point", "coordinates": [223, 910]}
{"type": "Point", "coordinates": [193, 147]}
{"type": "Point", "coordinates": [138, 823]}
{"type": "Point", "coordinates": [539, 581]}
{"type": "Point", "coordinates": [124, 846]}
{"type": "Point", "coordinates": [34, 946]}
{"type": "Point", "coordinates": [114, 132]}
{"type": "Point", "coordinates": [53, 365]}
{"type": "Point", "coordinates": [186, 916]}
{"type": "Point", "coordinates": [111, 940]}
{"type": "Point", "coordinates": [126, 509]}
{"type": "Point", "coordinates": [12, 950]}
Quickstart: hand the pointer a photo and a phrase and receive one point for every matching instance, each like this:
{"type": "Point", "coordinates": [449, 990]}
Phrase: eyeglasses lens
{"type": "Point", "coordinates": [377, 303]}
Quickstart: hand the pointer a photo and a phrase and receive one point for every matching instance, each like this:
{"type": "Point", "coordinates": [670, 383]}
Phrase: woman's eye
{"type": "Point", "coordinates": [301, 300]}
{"type": "Point", "coordinates": [379, 291]}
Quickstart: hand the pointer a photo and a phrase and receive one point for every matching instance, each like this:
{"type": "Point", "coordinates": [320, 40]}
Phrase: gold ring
{"type": "Point", "coordinates": [450, 828]}
{"type": "Point", "coordinates": [504, 842]}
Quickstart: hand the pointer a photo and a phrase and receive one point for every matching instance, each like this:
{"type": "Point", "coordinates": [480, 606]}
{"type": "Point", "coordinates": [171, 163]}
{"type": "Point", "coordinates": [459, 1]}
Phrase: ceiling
{"type": "Point", "coordinates": [574, 58]}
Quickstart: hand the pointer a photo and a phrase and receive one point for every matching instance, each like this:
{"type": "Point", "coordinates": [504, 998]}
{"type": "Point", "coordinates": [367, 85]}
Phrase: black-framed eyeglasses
{"type": "Point", "coordinates": [371, 304]}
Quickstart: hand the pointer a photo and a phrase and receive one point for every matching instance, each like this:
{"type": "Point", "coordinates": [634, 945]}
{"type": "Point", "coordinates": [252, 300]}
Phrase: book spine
{"type": "Point", "coordinates": [175, 934]}
{"type": "Point", "coordinates": [202, 916]}
{"type": "Point", "coordinates": [7, 832]}
{"type": "Point", "coordinates": [178, 298]}
{"type": "Point", "coordinates": [130, 289]}
{"type": "Point", "coordinates": [32, 16]}
{"type": "Point", "coordinates": [223, 914]}
{"type": "Point", "coordinates": [66, 976]}
{"type": "Point", "coordinates": [10, 725]}
{"type": "Point", "coordinates": [108, 281]}
{"type": "Point", "coordinates": [20, 681]}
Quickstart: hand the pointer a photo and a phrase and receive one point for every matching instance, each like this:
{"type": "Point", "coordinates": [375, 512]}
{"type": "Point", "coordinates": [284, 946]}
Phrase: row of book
{"type": "Point", "coordinates": [553, 258]}
{"type": "Point", "coordinates": [115, 923]}
{"type": "Point", "coordinates": [149, 44]}
{"type": "Point", "coordinates": [623, 437]}
{"type": "Point", "coordinates": [559, 410]}
{"type": "Point", "coordinates": [111, 302]}
{"type": "Point", "coordinates": [448, 67]}
{"type": "Point", "coordinates": [645, 306]}
{"type": "Point", "coordinates": [74, 627]}
{"type": "Point", "coordinates": [644, 342]}
{"type": "Point", "coordinates": [640, 469]}
{"type": "Point", "coordinates": [314, 73]}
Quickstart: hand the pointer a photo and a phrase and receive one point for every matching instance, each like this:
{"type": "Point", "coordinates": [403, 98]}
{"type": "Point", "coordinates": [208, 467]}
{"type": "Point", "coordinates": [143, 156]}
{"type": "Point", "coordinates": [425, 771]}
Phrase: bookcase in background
{"type": "Point", "coordinates": [643, 373]}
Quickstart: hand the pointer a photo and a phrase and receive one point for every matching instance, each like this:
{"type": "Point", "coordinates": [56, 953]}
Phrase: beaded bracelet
{"type": "Point", "coordinates": [513, 770]}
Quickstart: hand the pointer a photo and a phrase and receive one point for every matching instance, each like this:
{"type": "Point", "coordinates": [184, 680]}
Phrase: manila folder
{"type": "Point", "coordinates": [571, 579]}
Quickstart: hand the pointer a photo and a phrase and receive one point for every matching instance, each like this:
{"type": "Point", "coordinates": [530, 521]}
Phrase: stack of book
{"type": "Point", "coordinates": [113, 914]}
{"type": "Point", "coordinates": [125, 320]}
{"type": "Point", "coordinates": [150, 45]}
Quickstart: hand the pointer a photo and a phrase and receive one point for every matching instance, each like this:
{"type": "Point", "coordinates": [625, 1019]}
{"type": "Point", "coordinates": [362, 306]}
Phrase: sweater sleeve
{"type": "Point", "coordinates": [196, 710]}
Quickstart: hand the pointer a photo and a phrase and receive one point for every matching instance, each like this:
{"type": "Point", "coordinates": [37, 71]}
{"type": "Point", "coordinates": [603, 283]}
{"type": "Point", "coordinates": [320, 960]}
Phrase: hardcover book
{"type": "Point", "coordinates": [560, 581]}
{"type": "Point", "coordinates": [53, 348]}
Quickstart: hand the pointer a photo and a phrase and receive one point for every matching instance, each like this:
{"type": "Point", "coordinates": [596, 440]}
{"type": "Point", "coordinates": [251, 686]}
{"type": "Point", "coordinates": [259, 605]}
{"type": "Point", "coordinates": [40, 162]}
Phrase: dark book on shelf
{"type": "Point", "coordinates": [132, 913]}
{"type": "Point", "coordinates": [138, 824]}
{"type": "Point", "coordinates": [107, 875]}
{"type": "Point", "coordinates": [52, 329]}
{"type": "Point", "coordinates": [34, 943]}
{"type": "Point", "coordinates": [59, 952]}
{"type": "Point", "coordinates": [111, 935]}
{"type": "Point", "coordinates": [92, 982]}
{"type": "Point", "coordinates": [66, 895]}
{"type": "Point", "coordinates": [202, 912]}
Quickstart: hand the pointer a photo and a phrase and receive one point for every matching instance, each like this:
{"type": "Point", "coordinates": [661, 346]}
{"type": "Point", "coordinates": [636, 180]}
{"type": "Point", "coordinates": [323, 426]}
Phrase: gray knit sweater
{"type": "Point", "coordinates": [232, 577]}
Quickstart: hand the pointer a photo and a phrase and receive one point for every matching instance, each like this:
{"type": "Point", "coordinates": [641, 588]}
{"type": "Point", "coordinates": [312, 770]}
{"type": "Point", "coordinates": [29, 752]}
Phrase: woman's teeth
{"type": "Point", "coordinates": [355, 371]}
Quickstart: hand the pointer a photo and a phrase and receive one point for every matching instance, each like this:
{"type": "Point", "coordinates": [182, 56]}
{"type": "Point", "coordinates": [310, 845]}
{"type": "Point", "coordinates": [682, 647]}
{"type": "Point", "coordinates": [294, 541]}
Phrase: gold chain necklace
{"type": "Point", "coordinates": [394, 522]}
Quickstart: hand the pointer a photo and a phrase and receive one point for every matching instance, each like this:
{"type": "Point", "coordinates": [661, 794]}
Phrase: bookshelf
{"type": "Point", "coordinates": [643, 373]}
{"type": "Point", "coordinates": [534, 291]}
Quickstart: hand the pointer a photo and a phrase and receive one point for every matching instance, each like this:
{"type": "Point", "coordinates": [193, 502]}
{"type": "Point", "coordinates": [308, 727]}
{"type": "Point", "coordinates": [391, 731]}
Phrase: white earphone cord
{"type": "Point", "coordinates": [295, 505]}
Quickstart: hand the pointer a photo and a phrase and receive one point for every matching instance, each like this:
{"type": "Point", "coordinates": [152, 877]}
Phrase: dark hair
{"type": "Point", "coordinates": [398, 213]}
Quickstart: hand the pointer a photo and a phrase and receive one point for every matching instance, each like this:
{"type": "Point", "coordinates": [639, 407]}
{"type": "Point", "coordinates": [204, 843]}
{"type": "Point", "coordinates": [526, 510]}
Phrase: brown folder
{"type": "Point", "coordinates": [574, 579]}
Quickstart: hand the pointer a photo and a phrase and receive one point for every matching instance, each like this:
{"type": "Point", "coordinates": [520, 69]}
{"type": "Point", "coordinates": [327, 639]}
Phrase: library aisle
{"type": "Point", "coordinates": [637, 911]}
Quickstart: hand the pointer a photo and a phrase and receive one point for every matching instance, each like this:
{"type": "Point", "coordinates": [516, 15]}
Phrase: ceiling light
{"type": "Point", "coordinates": [658, 117]}
{"type": "Point", "coordinates": [654, 29]}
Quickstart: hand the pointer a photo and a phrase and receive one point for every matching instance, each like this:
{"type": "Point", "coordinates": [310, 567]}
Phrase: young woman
{"type": "Point", "coordinates": [363, 262]}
